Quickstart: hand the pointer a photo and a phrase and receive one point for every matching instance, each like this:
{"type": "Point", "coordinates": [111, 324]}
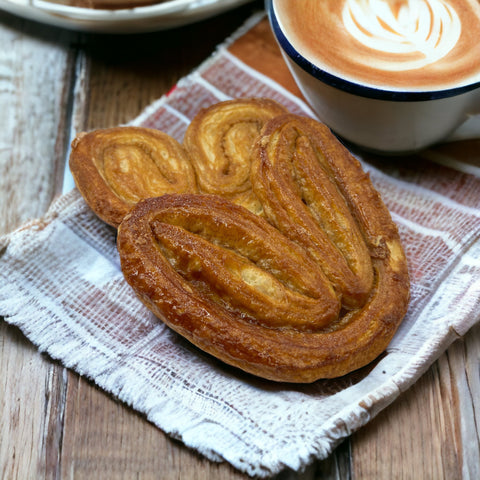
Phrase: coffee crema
{"type": "Point", "coordinates": [392, 44]}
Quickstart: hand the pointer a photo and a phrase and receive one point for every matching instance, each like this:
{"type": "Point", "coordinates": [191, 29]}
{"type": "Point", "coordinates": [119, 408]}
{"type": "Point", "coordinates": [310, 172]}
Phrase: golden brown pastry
{"type": "Point", "coordinates": [201, 254]}
{"type": "Point", "coordinates": [114, 168]}
{"type": "Point", "coordinates": [239, 289]}
{"type": "Point", "coordinates": [308, 281]}
{"type": "Point", "coordinates": [219, 140]}
{"type": "Point", "coordinates": [314, 191]}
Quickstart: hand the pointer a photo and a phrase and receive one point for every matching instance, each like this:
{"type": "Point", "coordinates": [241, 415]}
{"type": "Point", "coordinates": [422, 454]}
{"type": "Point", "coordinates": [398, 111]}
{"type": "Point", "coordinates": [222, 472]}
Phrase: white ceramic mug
{"type": "Point", "coordinates": [378, 119]}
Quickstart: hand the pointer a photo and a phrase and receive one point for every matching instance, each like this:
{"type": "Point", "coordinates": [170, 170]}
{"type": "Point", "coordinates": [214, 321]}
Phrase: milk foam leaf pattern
{"type": "Point", "coordinates": [114, 168]}
{"type": "Point", "coordinates": [413, 46]}
{"type": "Point", "coordinates": [415, 33]}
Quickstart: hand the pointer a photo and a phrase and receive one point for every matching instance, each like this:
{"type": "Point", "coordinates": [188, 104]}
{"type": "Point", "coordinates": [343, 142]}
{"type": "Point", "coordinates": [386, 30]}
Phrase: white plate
{"type": "Point", "coordinates": [140, 19]}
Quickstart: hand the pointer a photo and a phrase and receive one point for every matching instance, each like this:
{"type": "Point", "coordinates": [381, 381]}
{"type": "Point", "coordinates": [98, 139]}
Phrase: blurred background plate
{"type": "Point", "coordinates": [148, 18]}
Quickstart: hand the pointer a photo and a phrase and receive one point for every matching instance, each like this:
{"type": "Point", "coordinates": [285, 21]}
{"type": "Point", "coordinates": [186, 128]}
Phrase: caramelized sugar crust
{"type": "Point", "coordinates": [316, 291]}
{"type": "Point", "coordinates": [238, 289]}
{"type": "Point", "coordinates": [226, 260]}
{"type": "Point", "coordinates": [260, 239]}
{"type": "Point", "coordinates": [304, 179]}
{"type": "Point", "coordinates": [114, 168]}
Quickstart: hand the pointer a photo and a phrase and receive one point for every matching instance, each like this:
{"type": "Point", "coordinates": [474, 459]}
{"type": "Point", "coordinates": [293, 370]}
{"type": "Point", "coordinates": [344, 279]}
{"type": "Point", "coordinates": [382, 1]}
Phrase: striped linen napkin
{"type": "Point", "coordinates": [61, 284]}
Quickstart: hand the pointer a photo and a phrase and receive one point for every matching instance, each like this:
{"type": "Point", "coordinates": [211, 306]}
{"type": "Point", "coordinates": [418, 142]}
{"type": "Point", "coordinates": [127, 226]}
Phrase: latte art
{"type": "Point", "coordinates": [394, 44]}
{"type": "Point", "coordinates": [427, 29]}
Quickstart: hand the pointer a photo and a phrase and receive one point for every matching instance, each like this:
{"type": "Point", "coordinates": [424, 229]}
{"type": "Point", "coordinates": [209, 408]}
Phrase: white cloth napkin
{"type": "Point", "coordinates": [60, 283]}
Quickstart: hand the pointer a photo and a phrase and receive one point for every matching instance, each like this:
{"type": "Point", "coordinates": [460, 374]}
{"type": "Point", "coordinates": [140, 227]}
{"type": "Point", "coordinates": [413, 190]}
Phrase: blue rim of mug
{"type": "Point", "coordinates": [355, 88]}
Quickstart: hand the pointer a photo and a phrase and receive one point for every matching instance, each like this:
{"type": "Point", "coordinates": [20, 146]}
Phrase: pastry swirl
{"type": "Point", "coordinates": [114, 168]}
{"type": "Point", "coordinates": [220, 139]}
{"type": "Point", "coordinates": [260, 239]}
{"type": "Point", "coordinates": [237, 288]}
{"type": "Point", "coordinates": [205, 250]}
{"type": "Point", "coordinates": [316, 193]}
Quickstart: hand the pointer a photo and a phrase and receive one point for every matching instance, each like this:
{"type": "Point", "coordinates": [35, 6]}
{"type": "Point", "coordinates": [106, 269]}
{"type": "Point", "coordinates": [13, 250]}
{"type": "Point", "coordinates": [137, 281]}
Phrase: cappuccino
{"type": "Point", "coordinates": [406, 45]}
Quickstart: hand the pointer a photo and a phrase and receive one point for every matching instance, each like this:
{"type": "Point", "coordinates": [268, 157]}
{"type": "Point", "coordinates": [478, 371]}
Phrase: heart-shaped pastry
{"type": "Point", "coordinates": [315, 292]}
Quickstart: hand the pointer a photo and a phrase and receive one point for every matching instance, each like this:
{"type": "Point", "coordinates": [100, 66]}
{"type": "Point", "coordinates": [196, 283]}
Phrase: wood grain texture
{"type": "Point", "coordinates": [57, 425]}
{"type": "Point", "coordinates": [35, 71]}
{"type": "Point", "coordinates": [23, 405]}
{"type": "Point", "coordinates": [136, 449]}
{"type": "Point", "coordinates": [431, 431]}
{"type": "Point", "coordinates": [35, 82]}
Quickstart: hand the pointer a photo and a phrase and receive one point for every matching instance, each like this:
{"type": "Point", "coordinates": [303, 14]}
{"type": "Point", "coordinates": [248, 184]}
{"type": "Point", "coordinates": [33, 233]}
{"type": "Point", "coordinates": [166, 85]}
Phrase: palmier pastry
{"type": "Point", "coordinates": [237, 288]}
{"type": "Point", "coordinates": [219, 140]}
{"type": "Point", "coordinates": [114, 168]}
{"type": "Point", "coordinates": [315, 192]}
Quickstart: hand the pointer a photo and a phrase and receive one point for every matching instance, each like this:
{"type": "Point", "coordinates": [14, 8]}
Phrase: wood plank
{"type": "Point", "coordinates": [35, 72]}
{"type": "Point", "coordinates": [107, 440]}
{"type": "Point", "coordinates": [22, 398]}
{"type": "Point", "coordinates": [400, 439]}
{"type": "Point", "coordinates": [431, 431]}
{"type": "Point", "coordinates": [460, 366]}
{"type": "Point", "coordinates": [35, 68]}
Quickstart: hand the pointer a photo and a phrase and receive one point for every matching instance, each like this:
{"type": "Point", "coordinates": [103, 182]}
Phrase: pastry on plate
{"type": "Point", "coordinates": [108, 4]}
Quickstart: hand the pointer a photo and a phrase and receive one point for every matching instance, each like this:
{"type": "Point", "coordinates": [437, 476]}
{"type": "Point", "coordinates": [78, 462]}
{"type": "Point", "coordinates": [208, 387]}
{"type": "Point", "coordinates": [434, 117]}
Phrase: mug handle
{"type": "Point", "coordinates": [468, 130]}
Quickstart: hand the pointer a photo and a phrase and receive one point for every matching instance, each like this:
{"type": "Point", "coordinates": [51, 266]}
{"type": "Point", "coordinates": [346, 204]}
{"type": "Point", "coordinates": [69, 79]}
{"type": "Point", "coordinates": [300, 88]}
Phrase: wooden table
{"type": "Point", "coordinates": [55, 424]}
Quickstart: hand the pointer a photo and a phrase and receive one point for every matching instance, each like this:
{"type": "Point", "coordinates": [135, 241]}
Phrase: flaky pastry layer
{"type": "Point", "coordinates": [238, 289]}
{"type": "Point", "coordinates": [316, 193]}
{"type": "Point", "coordinates": [244, 289]}
{"type": "Point", "coordinates": [260, 239]}
{"type": "Point", "coordinates": [220, 139]}
{"type": "Point", "coordinates": [114, 168]}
